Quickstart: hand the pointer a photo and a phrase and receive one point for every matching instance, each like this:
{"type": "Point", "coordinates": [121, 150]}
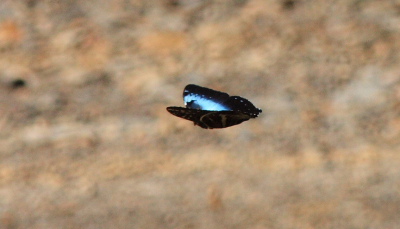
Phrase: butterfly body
{"type": "Point", "coordinates": [211, 109]}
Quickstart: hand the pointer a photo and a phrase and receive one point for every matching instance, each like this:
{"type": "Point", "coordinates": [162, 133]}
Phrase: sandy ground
{"type": "Point", "coordinates": [86, 141]}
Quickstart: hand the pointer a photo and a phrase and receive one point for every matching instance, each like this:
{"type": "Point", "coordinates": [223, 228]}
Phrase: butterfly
{"type": "Point", "coordinates": [211, 109]}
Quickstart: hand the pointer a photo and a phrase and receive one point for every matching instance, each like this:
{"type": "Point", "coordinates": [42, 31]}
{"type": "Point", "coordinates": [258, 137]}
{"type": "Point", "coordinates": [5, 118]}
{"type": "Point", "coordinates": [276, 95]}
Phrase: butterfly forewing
{"type": "Point", "coordinates": [197, 97]}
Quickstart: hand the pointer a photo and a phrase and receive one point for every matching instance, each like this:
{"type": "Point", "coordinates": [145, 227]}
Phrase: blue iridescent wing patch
{"type": "Point", "coordinates": [202, 98]}
{"type": "Point", "coordinates": [211, 109]}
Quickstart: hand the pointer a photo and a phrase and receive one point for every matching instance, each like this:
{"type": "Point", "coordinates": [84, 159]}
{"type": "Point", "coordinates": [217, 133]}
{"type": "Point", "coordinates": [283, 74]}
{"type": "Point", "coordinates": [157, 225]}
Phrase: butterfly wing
{"type": "Point", "coordinates": [223, 119]}
{"type": "Point", "coordinates": [210, 119]}
{"type": "Point", "coordinates": [193, 115]}
{"type": "Point", "coordinates": [202, 98]}
{"type": "Point", "coordinates": [241, 104]}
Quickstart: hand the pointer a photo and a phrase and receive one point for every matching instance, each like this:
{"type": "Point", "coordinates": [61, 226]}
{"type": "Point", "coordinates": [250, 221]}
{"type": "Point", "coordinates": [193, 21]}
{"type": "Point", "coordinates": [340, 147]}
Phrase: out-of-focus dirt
{"type": "Point", "coordinates": [86, 142]}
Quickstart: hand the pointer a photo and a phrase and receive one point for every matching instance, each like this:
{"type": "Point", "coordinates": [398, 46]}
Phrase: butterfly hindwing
{"type": "Point", "coordinates": [210, 119]}
{"type": "Point", "coordinates": [188, 114]}
{"type": "Point", "coordinates": [222, 119]}
{"type": "Point", "coordinates": [242, 104]}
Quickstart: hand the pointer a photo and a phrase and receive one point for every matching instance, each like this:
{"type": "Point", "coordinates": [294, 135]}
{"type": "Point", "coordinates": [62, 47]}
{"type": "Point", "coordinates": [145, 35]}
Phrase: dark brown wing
{"type": "Point", "coordinates": [223, 119]}
{"type": "Point", "coordinates": [210, 119]}
{"type": "Point", "coordinates": [188, 114]}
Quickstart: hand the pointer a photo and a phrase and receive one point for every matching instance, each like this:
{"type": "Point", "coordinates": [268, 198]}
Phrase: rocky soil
{"type": "Point", "coordinates": [86, 142]}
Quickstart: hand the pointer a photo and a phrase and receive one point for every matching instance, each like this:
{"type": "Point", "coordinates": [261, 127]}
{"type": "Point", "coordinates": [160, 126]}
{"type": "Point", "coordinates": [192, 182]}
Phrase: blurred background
{"type": "Point", "coordinates": [86, 142]}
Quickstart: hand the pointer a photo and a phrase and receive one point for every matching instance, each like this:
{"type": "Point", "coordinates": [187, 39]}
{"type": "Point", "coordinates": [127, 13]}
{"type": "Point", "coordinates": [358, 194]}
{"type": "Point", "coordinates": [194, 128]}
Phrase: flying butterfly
{"type": "Point", "coordinates": [211, 109]}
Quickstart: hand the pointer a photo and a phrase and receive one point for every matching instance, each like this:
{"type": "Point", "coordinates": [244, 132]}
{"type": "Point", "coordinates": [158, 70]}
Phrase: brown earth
{"type": "Point", "coordinates": [86, 141]}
